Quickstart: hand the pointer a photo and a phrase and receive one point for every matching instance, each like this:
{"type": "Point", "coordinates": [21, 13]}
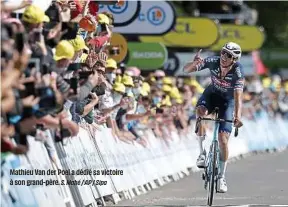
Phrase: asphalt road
{"type": "Point", "coordinates": [256, 179]}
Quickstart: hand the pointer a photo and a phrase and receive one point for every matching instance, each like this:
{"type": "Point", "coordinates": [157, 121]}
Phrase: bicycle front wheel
{"type": "Point", "coordinates": [211, 181]}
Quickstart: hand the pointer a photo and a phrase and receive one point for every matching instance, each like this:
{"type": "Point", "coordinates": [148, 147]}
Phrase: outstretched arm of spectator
{"type": "Point", "coordinates": [131, 117]}
{"type": "Point", "coordinates": [91, 105]}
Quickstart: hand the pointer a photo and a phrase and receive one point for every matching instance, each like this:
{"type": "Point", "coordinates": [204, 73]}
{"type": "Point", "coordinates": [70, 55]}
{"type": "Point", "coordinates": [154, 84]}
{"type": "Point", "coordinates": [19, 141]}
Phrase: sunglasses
{"type": "Point", "coordinates": [223, 52]}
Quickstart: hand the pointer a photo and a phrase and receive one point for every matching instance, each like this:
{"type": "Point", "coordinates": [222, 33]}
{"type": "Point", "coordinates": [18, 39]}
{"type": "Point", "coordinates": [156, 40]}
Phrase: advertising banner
{"type": "Point", "coordinates": [188, 32]}
{"type": "Point", "coordinates": [147, 55]}
{"type": "Point", "coordinates": [172, 64]}
{"type": "Point", "coordinates": [120, 42]}
{"type": "Point", "coordinates": [123, 14]}
{"type": "Point", "coordinates": [155, 18]}
{"type": "Point", "coordinates": [184, 57]}
{"type": "Point", "coordinates": [248, 37]}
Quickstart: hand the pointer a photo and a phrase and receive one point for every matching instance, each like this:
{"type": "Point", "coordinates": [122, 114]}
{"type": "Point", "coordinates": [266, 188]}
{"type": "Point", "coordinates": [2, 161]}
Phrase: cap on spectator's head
{"type": "Point", "coordinates": [127, 81]}
{"type": "Point", "coordinates": [64, 50]}
{"type": "Point", "coordinates": [286, 86]}
{"type": "Point", "coordinates": [103, 19]}
{"type": "Point", "coordinates": [111, 63]}
{"type": "Point", "coordinates": [119, 87]}
{"type": "Point", "coordinates": [174, 92]}
{"type": "Point", "coordinates": [146, 87]}
{"type": "Point", "coordinates": [179, 100]}
{"type": "Point", "coordinates": [166, 101]}
{"type": "Point", "coordinates": [166, 88]}
{"type": "Point", "coordinates": [266, 82]}
{"type": "Point", "coordinates": [78, 43]}
{"type": "Point", "coordinates": [34, 15]}
{"type": "Point", "coordinates": [130, 94]}
{"type": "Point", "coordinates": [118, 79]}
{"type": "Point", "coordinates": [193, 82]}
{"type": "Point", "coordinates": [129, 73]}
{"type": "Point", "coordinates": [159, 73]}
{"type": "Point", "coordinates": [167, 81]}
{"type": "Point", "coordinates": [83, 57]}
{"type": "Point", "coordinates": [110, 16]}
{"type": "Point", "coordinates": [143, 92]}
{"type": "Point", "coordinates": [136, 72]}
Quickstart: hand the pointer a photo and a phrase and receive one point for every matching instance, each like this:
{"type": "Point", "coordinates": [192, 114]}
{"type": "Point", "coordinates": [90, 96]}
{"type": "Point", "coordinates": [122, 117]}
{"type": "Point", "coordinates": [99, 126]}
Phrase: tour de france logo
{"type": "Point", "coordinates": [156, 15]}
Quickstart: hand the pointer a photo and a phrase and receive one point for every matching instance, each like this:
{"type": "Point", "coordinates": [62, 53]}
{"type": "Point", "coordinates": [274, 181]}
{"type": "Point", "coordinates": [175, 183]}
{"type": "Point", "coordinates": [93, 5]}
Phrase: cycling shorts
{"type": "Point", "coordinates": [209, 99]}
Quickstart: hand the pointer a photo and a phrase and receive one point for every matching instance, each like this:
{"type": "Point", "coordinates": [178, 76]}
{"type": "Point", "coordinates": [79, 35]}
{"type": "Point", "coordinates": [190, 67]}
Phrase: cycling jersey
{"type": "Point", "coordinates": [234, 79]}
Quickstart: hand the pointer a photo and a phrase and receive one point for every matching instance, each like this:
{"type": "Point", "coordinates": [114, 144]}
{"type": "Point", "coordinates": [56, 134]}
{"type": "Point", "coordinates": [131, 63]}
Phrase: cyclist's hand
{"type": "Point", "coordinates": [237, 122]}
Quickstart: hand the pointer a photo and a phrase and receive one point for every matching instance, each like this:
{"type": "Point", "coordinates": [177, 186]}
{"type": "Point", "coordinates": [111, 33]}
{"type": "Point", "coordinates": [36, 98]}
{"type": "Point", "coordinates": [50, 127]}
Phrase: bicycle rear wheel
{"type": "Point", "coordinates": [211, 182]}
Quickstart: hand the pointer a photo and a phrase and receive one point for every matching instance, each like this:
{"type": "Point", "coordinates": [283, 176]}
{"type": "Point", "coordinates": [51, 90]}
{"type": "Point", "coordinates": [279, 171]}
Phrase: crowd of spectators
{"type": "Point", "coordinates": [57, 76]}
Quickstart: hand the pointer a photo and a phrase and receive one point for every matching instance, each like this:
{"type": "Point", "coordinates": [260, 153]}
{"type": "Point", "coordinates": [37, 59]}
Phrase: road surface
{"type": "Point", "coordinates": [256, 179]}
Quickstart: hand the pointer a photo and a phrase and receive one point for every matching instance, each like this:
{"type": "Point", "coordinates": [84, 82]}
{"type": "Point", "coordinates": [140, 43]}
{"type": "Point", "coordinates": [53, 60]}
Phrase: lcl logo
{"type": "Point", "coordinates": [232, 33]}
{"type": "Point", "coordinates": [183, 27]}
{"type": "Point", "coordinates": [155, 15]}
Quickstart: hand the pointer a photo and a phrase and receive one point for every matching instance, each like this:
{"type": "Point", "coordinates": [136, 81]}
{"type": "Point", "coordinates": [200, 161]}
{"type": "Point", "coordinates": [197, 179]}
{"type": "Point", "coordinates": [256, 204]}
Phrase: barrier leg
{"type": "Point", "coordinates": [166, 179]}
{"type": "Point", "coordinates": [115, 198]}
{"type": "Point", "coordinates": [126, 194]}
{"type": "Point", "coordinates": [131, 193]}
{"type": "Point", "coordinates": [142, 189]}
{"type": "Point", "coordinates": [181, 175]}
{"type": "Point", "coordinates": [185, 172]}
{"type": "Point", "coordinates": [152, 185]}
{"type": "Point", "coordinates": [147, 187]}
{"type": "Point", "coordinates": [136, 191]}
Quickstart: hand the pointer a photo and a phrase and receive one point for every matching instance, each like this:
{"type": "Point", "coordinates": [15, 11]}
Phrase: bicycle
{"type": "Point", "coordinates": [211, 172]}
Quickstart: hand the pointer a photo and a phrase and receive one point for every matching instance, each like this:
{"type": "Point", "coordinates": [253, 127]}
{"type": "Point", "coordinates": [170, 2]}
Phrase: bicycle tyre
{"type": "Point", "coordinates": [212, 177]}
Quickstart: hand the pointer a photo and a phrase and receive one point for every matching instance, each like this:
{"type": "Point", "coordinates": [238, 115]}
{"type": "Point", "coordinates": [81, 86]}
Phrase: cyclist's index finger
{"type": "Point", "coordinates": [198, 53]}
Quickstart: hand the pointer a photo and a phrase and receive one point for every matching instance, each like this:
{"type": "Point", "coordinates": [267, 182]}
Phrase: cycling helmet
{"type": "Point", "coordinates": [234, 49]}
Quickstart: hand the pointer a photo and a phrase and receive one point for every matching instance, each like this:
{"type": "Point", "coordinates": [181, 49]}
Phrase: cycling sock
{"type": "Point", "coordinates": [200, 141]}
{"type": "Point", "coordinates": [222, 166]}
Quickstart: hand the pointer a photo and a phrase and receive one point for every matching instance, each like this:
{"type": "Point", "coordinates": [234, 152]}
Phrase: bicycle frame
{"type": "Point", "coordinates": [214, 142]}
{"type": "Point", "coordinates": [209, 158]}
{"type": "Point", "coordinates": [211, 172]}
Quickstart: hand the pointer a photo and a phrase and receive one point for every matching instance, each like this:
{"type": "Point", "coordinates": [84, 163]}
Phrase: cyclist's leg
{"type": "Point", "coordinates": [203, 108]}
{"type": "Point", "coordinates": [226, 112]}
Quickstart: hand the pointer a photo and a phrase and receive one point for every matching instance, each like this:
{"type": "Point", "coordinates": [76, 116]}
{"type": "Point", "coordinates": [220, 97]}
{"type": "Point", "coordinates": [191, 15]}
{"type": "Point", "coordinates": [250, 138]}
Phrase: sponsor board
{"type": "Point", "coordinates": [120, 42]}
{"type": "Point", "coordinates": [185, 57]}
{"type": "Point", "coordinates": [188, 32]}
{"type": "Point", "coordinates": [155, 18]}
{"type": "Point", "coordinates": [248, 37]}
{"type": "Point", "coordinates": [171, 65]}
{"type": "Point", "coordinates": [148, 56]}
{"type": "Point", "coordinates": [123, 13]}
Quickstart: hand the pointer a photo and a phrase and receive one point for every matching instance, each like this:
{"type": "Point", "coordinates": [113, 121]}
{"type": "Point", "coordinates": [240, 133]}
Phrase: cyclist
{"type": "Point", "coordinates": [224, 92]}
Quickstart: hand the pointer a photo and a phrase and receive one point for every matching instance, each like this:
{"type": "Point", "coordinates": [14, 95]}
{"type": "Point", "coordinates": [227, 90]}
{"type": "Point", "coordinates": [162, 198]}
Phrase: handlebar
{"type": "Point", "coordinates": [199, 119]}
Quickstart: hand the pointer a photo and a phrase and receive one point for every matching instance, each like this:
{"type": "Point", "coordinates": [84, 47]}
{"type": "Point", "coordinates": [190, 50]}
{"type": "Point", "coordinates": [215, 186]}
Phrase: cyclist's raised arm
{"type": "Point", "coordinates": [197, 64]}
{"type": "Point", "coordinates": [238, 91]}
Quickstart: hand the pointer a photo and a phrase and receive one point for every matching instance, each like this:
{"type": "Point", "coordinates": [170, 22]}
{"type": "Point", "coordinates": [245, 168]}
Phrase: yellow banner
{"type": "Point", "coordinates": [248, 37]}
{"type": "Point", "coordinates": [120, 42]}
{"type": "Point", "coordinates": [188, 32]}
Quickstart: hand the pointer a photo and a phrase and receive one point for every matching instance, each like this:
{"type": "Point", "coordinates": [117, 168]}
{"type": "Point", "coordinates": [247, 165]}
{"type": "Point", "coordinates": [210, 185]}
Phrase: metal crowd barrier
{"type": "Point", "coordinates": [143, 169]}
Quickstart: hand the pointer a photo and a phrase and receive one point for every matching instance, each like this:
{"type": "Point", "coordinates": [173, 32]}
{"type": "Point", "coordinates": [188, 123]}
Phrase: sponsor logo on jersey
{"type": "Point", "coordinates": [221, 83]}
